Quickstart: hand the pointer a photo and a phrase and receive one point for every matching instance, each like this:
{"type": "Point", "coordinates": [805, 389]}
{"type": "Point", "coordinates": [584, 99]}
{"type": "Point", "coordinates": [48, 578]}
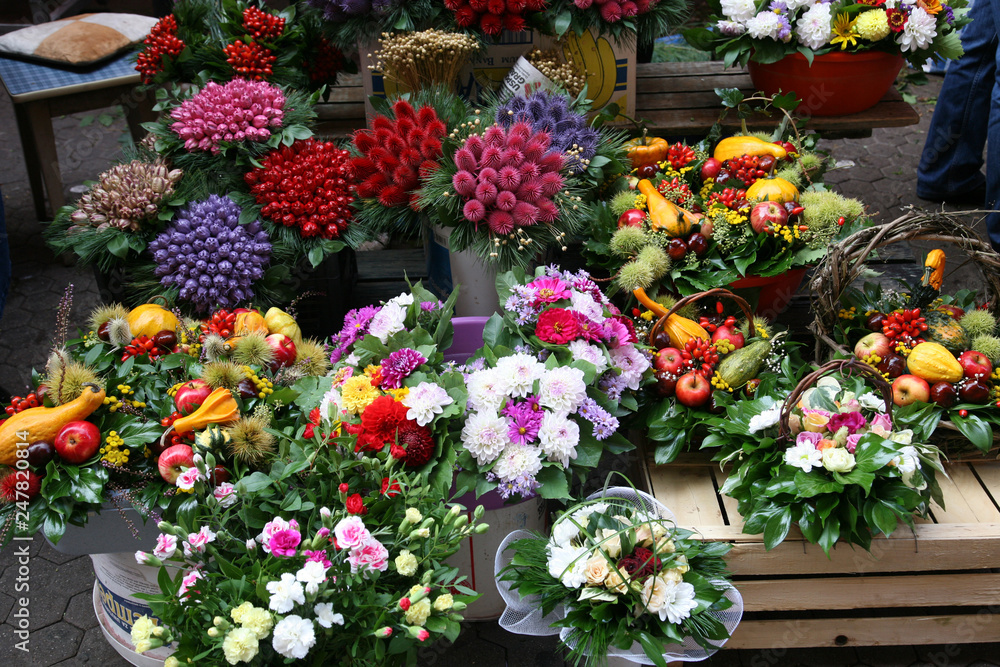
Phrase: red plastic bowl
{"type": "Point", "coordinates": [837, 84]}
{"type": "Point", "coordinates": [774, 291]}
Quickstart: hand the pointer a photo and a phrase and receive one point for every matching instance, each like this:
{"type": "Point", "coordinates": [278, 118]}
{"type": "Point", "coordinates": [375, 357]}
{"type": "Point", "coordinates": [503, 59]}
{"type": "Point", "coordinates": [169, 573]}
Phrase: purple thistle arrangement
{"type": "Point", "coordinates": [545, 112]}
{"type": "Point", "coordinates": [338, 10]}
{"type": "Point", "coordinates": [398, 366]}
{"type": "Point", "coordinates": [209, 256]}
{"type": "Point", "coordinates": [508, 178]}
{"type": "Point", "coordinates": [236, 111]}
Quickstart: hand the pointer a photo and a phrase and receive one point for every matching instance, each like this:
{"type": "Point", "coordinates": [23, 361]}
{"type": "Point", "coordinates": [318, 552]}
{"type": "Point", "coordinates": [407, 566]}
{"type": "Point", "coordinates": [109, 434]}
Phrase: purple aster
{"type": "Point", "coordinates": [785, 31]}
{"type": "Point", "coordinates": [612, 384]}
{"type": "Point", "coordinates": [523, 428]}
{"type": "Point", "coordinates": [523, 487]}
{"type": "Point", "coordinates": [778, 6]}
{"type": "Point", "coordinates": [605, 425]}
{"type": "Point", "coordinates": [398, 365]}
{"type": "Point", "coordinates": [428, 306]}
{"type": "Point", "coordinates": [949, 14]}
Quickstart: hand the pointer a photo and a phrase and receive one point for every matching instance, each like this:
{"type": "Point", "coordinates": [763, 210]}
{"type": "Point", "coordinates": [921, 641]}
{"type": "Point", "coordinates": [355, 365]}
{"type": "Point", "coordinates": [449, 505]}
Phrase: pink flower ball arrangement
{"type": "Point", "coordinates": [238, 110]}
{"type": "Point", "coordinates": [613, 11]}
{"type": "Point", "coordinates": [508, 177]}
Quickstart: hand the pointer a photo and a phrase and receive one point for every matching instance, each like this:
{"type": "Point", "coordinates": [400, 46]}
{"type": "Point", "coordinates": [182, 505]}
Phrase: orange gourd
{"type": "Point", "coordinates": [773, 189]}
{"type": "Point", "coordinates": [41, 423]}
{"type": "Point", "coordinates": [249, 321]}
{"type": "Point", "coordinates": [150, 319]}
{"type": "Point", "coordinates": [679, 329]}
{"type": "Point", "coordinates": [646, 150]}
{"type": "Point", "coordinates": [731, 147]}
{"type": "Point", "coordinates": [219, 408]}
{"type": "Point", "coordinates": [666, 216]}
{"type": "Point", "coordinates": [935, 260]}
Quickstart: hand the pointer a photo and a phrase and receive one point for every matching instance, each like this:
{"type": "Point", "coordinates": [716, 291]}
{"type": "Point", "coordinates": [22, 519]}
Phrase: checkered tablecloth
{"type": "Point", "coordinates": [22, 78]}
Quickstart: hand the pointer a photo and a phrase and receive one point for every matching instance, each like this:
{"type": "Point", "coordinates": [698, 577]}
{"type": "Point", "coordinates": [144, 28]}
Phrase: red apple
{"type": "Point", "coordinates": [894, 365]}
{"type": "Point", "coordinates": [693, 390]}
{"type": "Point", "coordinates": [767, 214]}
{"type": "Point", "coordinates": [954, 311]}
{"type": "Point", "coordinates": [975, 364]}
{"type": "Point", "coordinates": [77, 441]}
{"type": "Point", "coordinates": [707, 228]}
{"type": "Point", "coordinates": [174, 461]}
{"type": "Point", "coordinates": [283, 348]}
{"type": "Point", "coordinates": [631, 218]}
{"type": "Point", "coordinates": [666, 384]}
{"type": "Point", "coordinates": [668, 360]}
{"type": "Point", "coordinates": [728, 333]}
{"type": "Point", "coordinates": [710, 169]}
{"type": "Point", "coordinates": [190, 395]}
{"type": "Point", "coordinates": [873, 343]}
{"type": "Point", "coordinates": [677, 248]}
{"type": "Point", "coordinates": [974, 391]}
{"type": "Point", "coordinates": [944, 394]}
{"type": "Point", "coordinates": [789, 150]}
{"type": "Point", "coordinates": [698, 244]}
{"type": "Point", "coordinates": [908, 389]}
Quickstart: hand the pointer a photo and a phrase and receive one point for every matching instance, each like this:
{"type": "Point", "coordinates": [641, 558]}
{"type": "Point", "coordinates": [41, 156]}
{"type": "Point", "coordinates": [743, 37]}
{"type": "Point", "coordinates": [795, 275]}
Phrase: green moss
{"type": "Point", "coordinates": [622, 202]}
{"type": "Point", "coordinates": [627, 242]}
{"type": "Point", "coordinates": [978, 323]}
{"type": "Point", "coordinates": [657, 260]}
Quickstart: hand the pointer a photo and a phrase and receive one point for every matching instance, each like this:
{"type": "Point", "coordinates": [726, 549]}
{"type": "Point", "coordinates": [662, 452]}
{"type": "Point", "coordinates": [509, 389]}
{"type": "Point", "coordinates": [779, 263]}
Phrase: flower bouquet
{"type": "Point", "coordinates": [830, 458]}
{"type": "Point", "coordinates": [765, 32]}
{"type": "Point", "coordinates": [206, 40]}
{"type": "Point", "coordinates": [148, 410]}
{"type": "Point", "coordinates": [618, 578]}
{"type": "Point", "coordinates": [547, 390]}
{"type": "Point", "coordinates": [315, 557]}
{"type": "Point", "coordinates": [624, 20]}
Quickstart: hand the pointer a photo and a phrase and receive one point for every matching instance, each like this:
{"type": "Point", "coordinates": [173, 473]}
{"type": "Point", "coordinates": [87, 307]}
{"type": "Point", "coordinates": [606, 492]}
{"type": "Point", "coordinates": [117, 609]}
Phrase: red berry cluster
{"type": "Point", "coordinates": [731, 198]}
{"type": "Point", "coordinates": [904, 326]}
{"type": "Point", "coordinates": [161, 41]}
{"type": "Point", "coordinates": [169, 420]}
{"type": "Point", "coordinates": [679, 155]}
{"type": "Point", "coordinates": [676, 191]}
{"type": "Point", "coordinates": [746, 168]}
{"type": "Point", "coordinates": [492, 16]}
{"type": "Point", "coordinates": [251, 61]}
{"type": "Point", "coordinates": [262, 25]}
{"type": "Point", "coordinates": [327, 64]}
{"type": "Point", "coordinates": [711, 324]}
{"type": "Point", "coordinates": [143, 345]}
{"type": "Point", "coordinates": [222, 323]}
{"type": "Point", "coordinates": [396, 153]}
{"type": "Point", "coordinates": [18, 404]}
{"type": "Point", "coordinates": [306, 185]}
{"type": "Point", "coordinates": [700, 356]}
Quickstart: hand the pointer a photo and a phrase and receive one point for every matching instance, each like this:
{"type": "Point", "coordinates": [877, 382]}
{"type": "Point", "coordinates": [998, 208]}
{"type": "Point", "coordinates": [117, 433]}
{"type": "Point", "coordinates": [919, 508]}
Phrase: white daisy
{"type": "Point", "coordinates": [562, 389]}
{"type": "Point", "coordinates": [519, 372]}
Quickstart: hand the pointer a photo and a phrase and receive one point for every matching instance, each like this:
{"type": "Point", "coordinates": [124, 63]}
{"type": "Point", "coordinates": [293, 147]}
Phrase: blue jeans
{"type": "Point", "coordinates": [4, 259]}
{"type": "Point", "coordinates": [966, 118]}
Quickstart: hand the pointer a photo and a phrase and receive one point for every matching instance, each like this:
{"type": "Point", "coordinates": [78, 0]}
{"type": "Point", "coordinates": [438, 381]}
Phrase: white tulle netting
{"type": "Point", "coordinates": [523, 615]}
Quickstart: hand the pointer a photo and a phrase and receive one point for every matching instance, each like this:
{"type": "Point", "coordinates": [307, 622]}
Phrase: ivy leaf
{"type": "Point", "coordinates": [788, 101]}
{"type": "Point", "coordinates": [731, 97]}
{"type": "Point", "coordinates": [552, 483]}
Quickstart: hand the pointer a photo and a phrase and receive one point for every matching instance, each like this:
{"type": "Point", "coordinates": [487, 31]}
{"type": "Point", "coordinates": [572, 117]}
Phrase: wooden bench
{"type": "Point", "coordinates": [676, 99]}
{"type": "Point", "coordinates": [927, 586]}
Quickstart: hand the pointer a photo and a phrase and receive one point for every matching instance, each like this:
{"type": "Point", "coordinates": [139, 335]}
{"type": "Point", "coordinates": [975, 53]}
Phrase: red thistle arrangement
{"type": "Point", "coordinates": [251, 61]}
{"type": "Point", "coordinates": [306, 185]}
{"type": "Point", "coordinates": [19, 485]}
{"type": "Point", "coordinates": [262, 25]}
{"type": "Point", "coordinates": [508, 178]}
{"type": "Point", "coordinates": [161, 41]}
{"type": "Point", "coordinates": [396, 153]}
{"type": "Point", "coordinates": [492, 16]}
{"type": "Point", "coordinates": [327, 64]}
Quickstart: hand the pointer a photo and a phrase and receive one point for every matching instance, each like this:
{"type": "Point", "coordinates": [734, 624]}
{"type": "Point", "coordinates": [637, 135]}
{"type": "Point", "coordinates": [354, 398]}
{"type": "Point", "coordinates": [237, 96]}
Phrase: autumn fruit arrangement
{"type": "Point", "coordinates": [145, 406]}
{"type": "Point", "coordinates": [939, 351]}
{"type": "Point", "coordinates": [704, 358]}
{"type": "Point", "coordinates": [694, 217]}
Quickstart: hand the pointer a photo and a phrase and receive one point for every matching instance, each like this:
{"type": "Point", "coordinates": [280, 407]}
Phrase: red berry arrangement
{"type": "Point", "coordinates": [676, 191]}
{"type": "Point", "coordinates": [169, 420]}
{"type": "Point", "coordinates": [251, 61]}
{"type": "Point", "coordinates": [731, 198]}
{"type": "Point", "coordinates": [679, 155]}
{"type": "Point", "coordinates": [222, 323]}
{"type": "Point", "coordinates": [327, 64]}
{"type": "Point", "coordinates": [492, 16]}
{"type": "Point", "coordinates": [307, 185]}
{"type": "Point", "coordinates": [262, 25]}
{"type": "Point", "coordinates": [904, 326]}
{"type": "Point", "coordinates": [18, 404]}
{"type": "Point", "coordinates": [143, 345]}
{"type": "Point", "coordinates": [711, 324]}
{"type": "Point", "coordinates": [395, 153]}
{"type": "Point", "coordinates": [700, 356]}
{"type": "Point", "coordinates": [746, 168]}
{"type": "Point", "coordinates": [161, 41]}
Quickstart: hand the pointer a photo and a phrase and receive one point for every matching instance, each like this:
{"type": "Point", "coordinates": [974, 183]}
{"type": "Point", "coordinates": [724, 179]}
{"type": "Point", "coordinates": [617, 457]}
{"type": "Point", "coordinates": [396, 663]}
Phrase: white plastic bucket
{"type": "Point", "coordinates": [122, 642]}
{"type": "Point", "coordinates": [119, 578]}
{"type": "Point", "coordinates": [447, 269]}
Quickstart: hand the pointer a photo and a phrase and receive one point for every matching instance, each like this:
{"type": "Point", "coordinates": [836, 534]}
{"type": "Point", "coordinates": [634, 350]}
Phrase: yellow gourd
{"type": "Point", "coordinates": [934, 363]}
{"type": "Point", "coordinates": [278, 321]}
{"type": "Point", "coordinates": [150, 319]}
{"type": "Point", "coordinates": [732, 147]}
{"type": "Point", "coordinates": [935, 260]}
{"type": "Point", "coordinates": [219, 408]}
{"type": "Point", "coordinates": [41, 423]}
{"type": "Point", "coordinates": [666, 216]}
{"type": "Point", "coordinates": [773, 189]}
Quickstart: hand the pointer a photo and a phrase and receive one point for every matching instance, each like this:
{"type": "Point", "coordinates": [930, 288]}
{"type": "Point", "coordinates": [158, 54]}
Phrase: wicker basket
{"type": "Point", "coordinates": [846, 262]}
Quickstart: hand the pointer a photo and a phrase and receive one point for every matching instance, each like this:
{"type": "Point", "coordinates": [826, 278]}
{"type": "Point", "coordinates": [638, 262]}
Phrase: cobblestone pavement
{"type": "Point", "coordinates": [64, 629]}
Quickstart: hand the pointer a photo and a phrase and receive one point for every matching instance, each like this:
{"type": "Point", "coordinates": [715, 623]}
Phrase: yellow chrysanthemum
{"type": "Point", "coordinates": [357, 394]}
{"type": "Point", "coordinates": [872, 25]}
{"type": "Point", "coordinates": [844, 32]}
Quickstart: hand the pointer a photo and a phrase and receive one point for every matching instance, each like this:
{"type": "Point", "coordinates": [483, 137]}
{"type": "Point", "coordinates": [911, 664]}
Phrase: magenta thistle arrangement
{"type": "Point", "coordinates": [238, 110]}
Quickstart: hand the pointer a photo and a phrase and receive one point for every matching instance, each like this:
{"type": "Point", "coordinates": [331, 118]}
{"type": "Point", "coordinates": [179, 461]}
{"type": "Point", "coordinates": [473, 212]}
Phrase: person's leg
{"type": "Point", "coordinates": [993, 146]}
{"type": "Point", "coordinates": [953, 152]}
{"type": "Point", "coordinates": [5, 268]}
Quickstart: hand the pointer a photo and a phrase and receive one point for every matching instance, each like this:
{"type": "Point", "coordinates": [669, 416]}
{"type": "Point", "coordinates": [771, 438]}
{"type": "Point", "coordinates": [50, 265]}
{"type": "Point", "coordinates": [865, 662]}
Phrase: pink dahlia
{"type": "Point", "coordinates": [236, 111]}
{"type": "Point", "coordinates": [398, 366]}
{"type": "Point", "coordinates": [508, 178]}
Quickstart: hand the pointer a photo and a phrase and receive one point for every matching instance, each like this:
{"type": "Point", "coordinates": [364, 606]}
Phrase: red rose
{"type": "Point", "coordinates": [557, 326]}
{"type": "Point", "coordinates": [355, 505]}
{"type": "Point", "coordinates": [390, 489]}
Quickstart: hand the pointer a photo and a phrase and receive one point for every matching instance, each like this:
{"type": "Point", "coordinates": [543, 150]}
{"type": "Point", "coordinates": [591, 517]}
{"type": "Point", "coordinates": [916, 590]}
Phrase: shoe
{"type": "Point", "coordinates": [974, 197]}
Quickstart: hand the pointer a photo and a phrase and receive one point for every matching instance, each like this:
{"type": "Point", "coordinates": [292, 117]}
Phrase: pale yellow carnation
{"type": "Point", "coordinates": [418, 612]}
{"type": "Point", "coordinates": [240, 645]}
{"type": "Point", "coordinates": [406, 563]}
{"type": "Point", "coordinates": [142, 630]}
{"type": "Point", "coordinates": [239, 613]}
{"type": "Point", "coordinates": [259, 621]}
{"type": "Point", "coordinates": [143, 645]}
{"type": "Point", "coordinates": [444, 602]}
{"type": "Point", "coordinates": [872, 25]}
{"type": "Point", "coordinates": [413, 515]}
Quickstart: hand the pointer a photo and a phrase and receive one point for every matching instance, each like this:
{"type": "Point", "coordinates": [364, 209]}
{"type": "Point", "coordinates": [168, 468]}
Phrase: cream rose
{"type": "Point", "coordinates": [682, 564]}
{"type": "Point", "coordinates": [836, 459]}
{"type": "Point", "coordinates": [673, 576]}
{"type": "Point", "coordinates": [644, 534]}
{"type": "Point", "coordinates": [815, 422]}
{"type": "Point", "coordinates": [610, 541]}
{"type": "Point", "coordinates": [654, 594]}
{"type": "Point", "coordinates": [613, 582]}
{"type": "Point", "coordinates": [597, 570]}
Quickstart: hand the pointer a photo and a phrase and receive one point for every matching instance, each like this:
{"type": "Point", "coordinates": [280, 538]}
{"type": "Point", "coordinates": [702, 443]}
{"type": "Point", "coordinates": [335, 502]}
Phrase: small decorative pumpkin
{"type": "Point", "coordinates": [773, 189]}
{"type": "Point", "coordinates": [731, 147]}
{"type": "Point", "coordinates": [681, 330]}
{"type": "Point", "coordinates": [249, 321]}
{"type": "Point", "coordinates": [646, 150]}
{"type": "Point", "coordinates": [212, 439]}
{"type": "Point", "coordinates": [150, 319]}
{"type": "Point", "coordinates": [219, 408]}
{"type": "Point", "coordinates": [43, 423]}
{"type": "Point", "coordinates": [666, 216]}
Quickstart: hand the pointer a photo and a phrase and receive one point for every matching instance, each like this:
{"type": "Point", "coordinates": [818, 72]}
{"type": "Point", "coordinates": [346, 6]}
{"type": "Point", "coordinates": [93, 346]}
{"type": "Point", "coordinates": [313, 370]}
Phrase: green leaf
{"type": "Point", "coordinates": [975, 429]}
{"type": "Point", "coordinates": [777, 527]}
{"type": "Point", "coordinates": [810, 485]}
{"type": "Point", "coordinates": [54, 526]}
{"type": "Point", "coordinates": [731, 97]}
{"type": "Point", "coordinates": [552, 483]}
{"type": "Point", "coordinates": [253, 483]}
{"type": "Point", "coordinates": [830, 534]}
{"type": "Point", "coordinates": [873, 452]}
{"type": "Point", "coordinates": [562, 22]}
{"type": "Point", "coordinates": [118, 246]}
{"type": "Point", "coordinates": [316, 256]}
{"type": "Point", "coordinates": [885, 518]}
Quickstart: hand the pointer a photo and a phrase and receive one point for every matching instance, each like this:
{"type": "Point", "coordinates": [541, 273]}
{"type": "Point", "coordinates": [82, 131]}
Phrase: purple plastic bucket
{"type": "Point", "coordinates": [468, 338]}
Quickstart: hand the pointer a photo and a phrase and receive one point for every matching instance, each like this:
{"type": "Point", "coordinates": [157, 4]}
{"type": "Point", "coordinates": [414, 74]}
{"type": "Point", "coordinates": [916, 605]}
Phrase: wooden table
{"type": "Point", "coordinates": [927, 586]}
{"type": "Point", "coordinates": [676, 99]}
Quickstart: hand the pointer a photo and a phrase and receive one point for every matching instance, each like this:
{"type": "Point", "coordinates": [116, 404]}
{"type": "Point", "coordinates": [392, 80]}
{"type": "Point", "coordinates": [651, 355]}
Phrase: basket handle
{"type": "Point", "coordinates": [692, 298]}
{"type": "Point", "coordinates": [845, 367]}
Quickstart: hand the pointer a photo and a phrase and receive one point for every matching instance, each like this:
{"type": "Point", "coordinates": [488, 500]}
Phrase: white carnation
{"type": "Point", "coordinates": [568, 565]}
{"type": "Point", "coordinates": [293, 637]}
{"type": "Point", "coordinates": [285, 593]}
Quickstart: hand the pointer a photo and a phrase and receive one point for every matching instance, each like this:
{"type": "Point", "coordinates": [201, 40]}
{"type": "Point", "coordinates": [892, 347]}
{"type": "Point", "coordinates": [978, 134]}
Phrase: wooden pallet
{"type": "Point", "coordinates": [926, 586]}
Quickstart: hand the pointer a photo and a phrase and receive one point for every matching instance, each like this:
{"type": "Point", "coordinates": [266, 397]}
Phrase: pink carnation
{"type": "Point", "coordinates": [188, 582]}
{"type": "Point", "coordinates": [284, 542]}
{"type": "Point", "coordinates": [369, 554]}
{"type": "Point", "coordinates": [351, 532]}
{"type": "Point", "coordinates": [238, 110]}
{"type": "Point", "coordinates": [318, 556]}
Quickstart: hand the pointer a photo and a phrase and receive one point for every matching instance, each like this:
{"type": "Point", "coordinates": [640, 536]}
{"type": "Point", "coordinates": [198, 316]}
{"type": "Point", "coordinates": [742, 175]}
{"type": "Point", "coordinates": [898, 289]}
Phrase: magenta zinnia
{"type": "Point", "coordinates": [236, 111]}
{"type": "Point", "coordinates": [557, 326]}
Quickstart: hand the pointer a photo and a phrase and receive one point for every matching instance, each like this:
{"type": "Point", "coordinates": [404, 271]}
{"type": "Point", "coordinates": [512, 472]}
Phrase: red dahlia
{"type": "Point", "coordinates": [379, 424]}
{"type": "Point", "coordinates": [251, 61]}
{"type": "Point", "coordinates": [418, 443]}
{"type": "Point", "coordinates": [305, 185]}
{"type": "Point", "coordinates": [161, 41]}
{"type": "Point", "coordinates": [396, 153]}
{"type": "Point", "coordinates": [19, 486]}
{"type": "Point", "coordinates": [262, 25]}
